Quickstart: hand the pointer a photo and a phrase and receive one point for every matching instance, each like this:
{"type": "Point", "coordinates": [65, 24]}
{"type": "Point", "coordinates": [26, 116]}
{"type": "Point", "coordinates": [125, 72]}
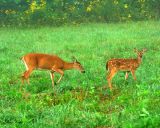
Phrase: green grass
{"type": "Point", "coordinates": [81, 100]}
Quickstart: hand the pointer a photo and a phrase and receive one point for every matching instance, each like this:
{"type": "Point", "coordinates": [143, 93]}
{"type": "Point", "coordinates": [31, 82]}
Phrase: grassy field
{"type": "Point", "coordinates": [81, 100]}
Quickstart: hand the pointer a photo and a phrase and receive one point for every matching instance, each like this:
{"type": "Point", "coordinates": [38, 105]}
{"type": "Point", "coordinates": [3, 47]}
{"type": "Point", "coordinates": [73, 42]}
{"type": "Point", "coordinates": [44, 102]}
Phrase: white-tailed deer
{"type": "Point", "coordinates": [53, 63]}
{"type": "Point", "coordinates": [129, 65]}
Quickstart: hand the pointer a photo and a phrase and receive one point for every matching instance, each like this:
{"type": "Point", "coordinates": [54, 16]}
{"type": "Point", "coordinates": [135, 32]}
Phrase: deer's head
{"type": "Point", "coordinates": [77, 65]}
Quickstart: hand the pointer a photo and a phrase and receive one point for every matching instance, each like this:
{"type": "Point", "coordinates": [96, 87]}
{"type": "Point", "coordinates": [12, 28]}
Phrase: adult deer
{"type": "Point", "coordinates": [53, 63]}
{"type": "Point", "coordinates": [129, 65]}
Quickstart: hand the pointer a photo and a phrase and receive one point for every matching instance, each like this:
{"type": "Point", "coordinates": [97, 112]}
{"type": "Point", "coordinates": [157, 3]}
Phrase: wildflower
{"type": "Point", "coordinates": [125, 5]}
{"type": "Point", "coordinates": [43, 3]}
{"type": "Point", "coordinates": [7, 12]}
{"type": "Point", "coordinates": [33, 6]}
{"type": "Point", "coordinates": [115, 2]}
{"type": "Point", "coordinates": [89, 8]}
{"type": "Point", "coordinates": [129, 16]}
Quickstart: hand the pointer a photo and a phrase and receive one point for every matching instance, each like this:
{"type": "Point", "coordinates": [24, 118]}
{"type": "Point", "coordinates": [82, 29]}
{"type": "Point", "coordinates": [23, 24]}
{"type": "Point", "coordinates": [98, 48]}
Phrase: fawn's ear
{"type": "Point", "coordinates": [144, 50]}
{"type": "Point", "coordinates": [135, 50]}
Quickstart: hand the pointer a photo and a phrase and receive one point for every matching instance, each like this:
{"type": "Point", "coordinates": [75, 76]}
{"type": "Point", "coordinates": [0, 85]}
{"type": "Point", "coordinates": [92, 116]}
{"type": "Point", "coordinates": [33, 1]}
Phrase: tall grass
{"type": "Point", "coordinates": [81, 100]}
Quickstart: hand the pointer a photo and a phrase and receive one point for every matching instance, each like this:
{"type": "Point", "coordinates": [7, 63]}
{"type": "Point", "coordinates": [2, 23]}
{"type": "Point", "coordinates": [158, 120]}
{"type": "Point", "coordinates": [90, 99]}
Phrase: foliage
{"type": "Point", "coordinates": [57, 12]}
{"type": "Point", "coordinates": [81, 100]}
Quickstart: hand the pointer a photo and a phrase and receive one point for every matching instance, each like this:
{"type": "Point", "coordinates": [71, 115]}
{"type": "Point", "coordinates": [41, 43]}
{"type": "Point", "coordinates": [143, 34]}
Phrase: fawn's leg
{"type": "Point", "coordinates": [110, 76]}
{"type": "Point", "coordinates": [133, 74]}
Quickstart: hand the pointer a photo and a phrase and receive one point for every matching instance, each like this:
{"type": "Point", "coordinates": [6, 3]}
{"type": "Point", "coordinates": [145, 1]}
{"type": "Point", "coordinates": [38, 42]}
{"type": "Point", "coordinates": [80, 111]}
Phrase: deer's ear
{"type": "Point", "coordinates": [135, 50]}
{"type": "Point", "coordinates": [144, 50]}
{"type": "Point", "coordinates": [74, 59]}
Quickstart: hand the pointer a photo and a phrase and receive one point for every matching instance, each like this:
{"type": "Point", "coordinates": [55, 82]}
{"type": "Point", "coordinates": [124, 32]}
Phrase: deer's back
{"type": "Point", "coordinates": [122, 64]}
{"type": "Point", "coordinates": [43, 61]}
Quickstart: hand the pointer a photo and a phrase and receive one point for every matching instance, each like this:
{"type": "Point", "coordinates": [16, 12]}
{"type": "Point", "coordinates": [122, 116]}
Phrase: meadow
{"type": "Point", "coordinates": [81, 100]}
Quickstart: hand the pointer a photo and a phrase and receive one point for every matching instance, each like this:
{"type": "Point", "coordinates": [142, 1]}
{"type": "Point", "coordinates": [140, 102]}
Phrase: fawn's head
{"type": "Point", "coordinates": [140, 53]}
{"type": "Point", "coordinates": [77, 65]}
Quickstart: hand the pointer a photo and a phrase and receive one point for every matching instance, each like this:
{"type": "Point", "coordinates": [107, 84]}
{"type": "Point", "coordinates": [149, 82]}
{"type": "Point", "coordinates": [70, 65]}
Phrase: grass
{"type": "Point", "coordinates": [81, 100]}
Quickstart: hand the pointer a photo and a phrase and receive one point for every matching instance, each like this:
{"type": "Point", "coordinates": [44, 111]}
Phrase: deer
{"type": "Point", "coordinates": [52, 63]}
{"type": "Point", "coordinates": [127, 65]}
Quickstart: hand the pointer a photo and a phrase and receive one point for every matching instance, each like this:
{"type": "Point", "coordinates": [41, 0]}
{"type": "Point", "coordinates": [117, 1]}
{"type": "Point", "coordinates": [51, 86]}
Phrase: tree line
{"type": "Point", "coordinates": [58, 12]}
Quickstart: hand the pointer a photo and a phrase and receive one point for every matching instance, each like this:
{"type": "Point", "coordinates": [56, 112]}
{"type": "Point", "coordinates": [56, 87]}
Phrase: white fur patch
{"type": "Point", "coordinates": [25, 63]}
{"type": "Point", "coordinates": [51, 76]}
{"type": "Point", "coordinates": [42, 69]}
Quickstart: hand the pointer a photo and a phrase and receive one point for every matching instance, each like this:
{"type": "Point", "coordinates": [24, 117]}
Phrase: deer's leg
{"type": "Point", "coordinates": [23, 77]}
{"type": "Point", "coordinates": [133, 74]}
{"type": "Point", "coordinates": [26, 75]}
{"type": "Point", "coordinates": [110, 76]}
{"type": "Point", "coordinates": [60, 72]}
{"type": "Point", "coordinates": [126, 76]}
{"type": "Point", "coordinates": [52, 78]}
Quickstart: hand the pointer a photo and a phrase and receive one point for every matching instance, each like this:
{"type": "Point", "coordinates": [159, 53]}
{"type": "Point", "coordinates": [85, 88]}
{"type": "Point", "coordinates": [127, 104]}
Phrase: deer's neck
{"type": "Point", "coordinates": [68, 66]}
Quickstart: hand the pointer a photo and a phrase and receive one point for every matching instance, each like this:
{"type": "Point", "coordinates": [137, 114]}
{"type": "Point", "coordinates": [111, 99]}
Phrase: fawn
{"type": "Point", "coordinates": [115, 65]}
{"type": "Point", "coordinates": [53, 63]}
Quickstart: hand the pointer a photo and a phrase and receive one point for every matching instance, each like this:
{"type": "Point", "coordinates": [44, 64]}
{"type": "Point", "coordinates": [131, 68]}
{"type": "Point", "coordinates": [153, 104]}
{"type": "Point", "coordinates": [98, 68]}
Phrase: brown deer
{"type": "Point", "coordinates": [52, 63]}
{"type": "Point", "coordinates": [128, 65]}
